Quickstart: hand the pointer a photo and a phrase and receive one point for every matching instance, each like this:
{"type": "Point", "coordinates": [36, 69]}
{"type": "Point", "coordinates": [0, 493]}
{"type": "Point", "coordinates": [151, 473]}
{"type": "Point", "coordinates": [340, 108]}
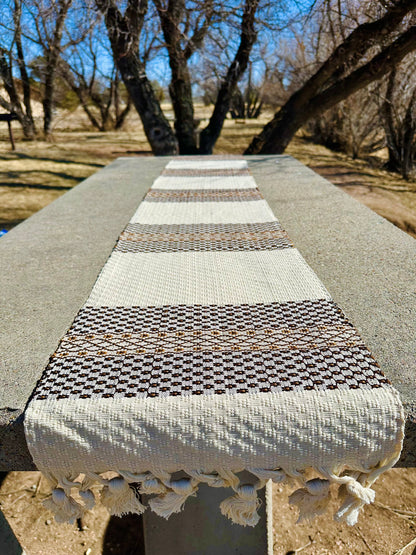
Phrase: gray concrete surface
{"type": "Point", "coordinates": [367, 264]}
{"type": "Point", "coordinates": [201, 529]}
{"type": "Point", "coordinates": [49, 264]}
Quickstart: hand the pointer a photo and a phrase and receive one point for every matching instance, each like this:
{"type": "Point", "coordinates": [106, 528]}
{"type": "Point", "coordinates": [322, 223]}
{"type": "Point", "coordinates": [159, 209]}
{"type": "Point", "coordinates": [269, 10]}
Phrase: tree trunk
{"type": "Point", "coordinates": [52, 59]}
{"type": "Point", "coordinates": [301, 107]}
{"type": "Point", "coordinates": [278, 133]}
{"type": "Point", "coordinates": [124, 33]}
{"type": "Point", "coordinates": [156, 127]}
{"type": "Point", "coordinates": [28, 123]}
{"type": "Point", "coordinates": [14, 104]}
{"type": "Point", "coordinates": [210, 134]}
{"type": "Point", "coordinates": [47, 102]}
{"type": "Point", "coordinates": [180, 88]}
{"type": "Point", "coordinates": [180, 91]}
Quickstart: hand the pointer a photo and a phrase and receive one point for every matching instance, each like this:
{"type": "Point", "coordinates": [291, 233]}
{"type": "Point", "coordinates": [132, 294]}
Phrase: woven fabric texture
{"type": "Point", "coordinates": [208, 346]}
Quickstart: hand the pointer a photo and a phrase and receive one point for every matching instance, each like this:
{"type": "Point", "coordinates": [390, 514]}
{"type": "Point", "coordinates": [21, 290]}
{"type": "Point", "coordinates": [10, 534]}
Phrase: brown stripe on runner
{"type": "Point", "coordinates": [268, 339]}
{"type": "Point", "coordinates": [204, 241]}
{"type": "Point", "coordinates": [203, 228]}
{"type": "Point", "coordinates": [132, 245]}
{"type": "Point", "coordinates": [205, 195]}
{"type": "Point", "coordinates": [203, 172]}
{"type": "Point", "coordinates": [214, 372]}
{"type": "Point", "coordinates": [290, 314]}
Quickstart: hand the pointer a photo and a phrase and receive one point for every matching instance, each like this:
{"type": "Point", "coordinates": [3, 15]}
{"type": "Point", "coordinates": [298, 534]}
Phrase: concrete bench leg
{"type": "Point", "coordinates": [201, 529]}
{"type": "Point", "coordinates": [8, 542]}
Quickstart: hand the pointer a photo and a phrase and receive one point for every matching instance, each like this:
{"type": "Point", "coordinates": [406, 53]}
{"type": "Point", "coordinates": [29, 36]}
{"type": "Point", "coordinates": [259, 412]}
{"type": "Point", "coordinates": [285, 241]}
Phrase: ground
{"type": "Point", "coordinates": [383, 528]}
{"type": "Point", "coordinates": [37, 173]}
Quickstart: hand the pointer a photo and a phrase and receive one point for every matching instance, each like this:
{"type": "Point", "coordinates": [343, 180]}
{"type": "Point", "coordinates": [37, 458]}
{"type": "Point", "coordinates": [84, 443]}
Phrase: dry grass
{"type": "Point", "coordinates": [38, 172]}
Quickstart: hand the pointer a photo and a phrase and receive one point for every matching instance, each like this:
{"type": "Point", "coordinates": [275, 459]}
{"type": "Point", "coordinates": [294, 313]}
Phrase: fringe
{"type": "Point", "coordinates": [122, 493]}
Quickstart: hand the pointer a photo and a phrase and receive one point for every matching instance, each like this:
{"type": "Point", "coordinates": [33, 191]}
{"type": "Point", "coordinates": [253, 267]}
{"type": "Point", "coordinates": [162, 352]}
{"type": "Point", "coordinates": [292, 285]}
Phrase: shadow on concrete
{"type": "Point", "coordinates": [124, 536]}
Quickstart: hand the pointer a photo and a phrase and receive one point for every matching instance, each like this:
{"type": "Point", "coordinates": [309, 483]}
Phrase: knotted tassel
{"type": "Point", "coordinates": [148, 482]}
{"type": "Point", "coordinates": [63, 506]}
{"type": "Point", "coordinates": [88, 497]}
{"type": "Point", "coordinates": [120, 498]}
{"type": "Point", "coordinates": [152, 485]}
{"type": "Point", "coordinates": [242, 507]}
{"type": "Point", "coordinates": [172, 502]}
{"type": "Point", "coordinates": [356, 496]}
{"type": "Point", "coordinates": [276, 476]}
{"type": "Point", "coordinates": [312, 500]}
{"type": "Point", "coordinates": [213, 480]}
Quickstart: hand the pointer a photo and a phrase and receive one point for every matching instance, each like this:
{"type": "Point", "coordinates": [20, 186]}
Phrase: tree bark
{"type": "Point", "coordinates": [29, 128]}
{"type": "Point", "coordinates": [400, 132]}
{"type": "Point", "coordinates": [14, 104]}
{"type": "Point", "coordinates": [124, 32]}
{"type": "Point", "coordinates": [210, 134]}
{"type": "Point", "coordinates": [302, 105]}
{"type": "Point", "coordinates": [180, 88]}
{"type": "Point", "coordinates": [52, 59]}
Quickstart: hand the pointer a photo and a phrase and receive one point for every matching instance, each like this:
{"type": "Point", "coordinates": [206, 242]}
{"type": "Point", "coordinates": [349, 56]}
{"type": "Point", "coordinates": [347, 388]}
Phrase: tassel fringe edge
{"type": "Point", "coordinates": [122, 493]}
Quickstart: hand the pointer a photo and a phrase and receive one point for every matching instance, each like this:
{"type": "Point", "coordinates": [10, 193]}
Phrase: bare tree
{"type": "Point", "coordinates": [353, 126]}
{"type": "Point", "coordinates": [124, 30]}
{"type": "Point", "coordinates": [248, 35]}
{"type": "Point", "coordinates": [399, 113]}
{"type": "Point", "coordinates": [350, 67]}
{"type": "Point", "coordinates": [51, 40]}
{"type": "Point", "coordinates": [98, 90]}
{"type": "Point", "coordinates": [183, 35]}
{"type": "Point", "coordinates": [12, 54]}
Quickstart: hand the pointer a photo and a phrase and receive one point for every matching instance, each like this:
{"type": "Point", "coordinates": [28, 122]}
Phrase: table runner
{"type": "Point", "coordinates": [208, 347]}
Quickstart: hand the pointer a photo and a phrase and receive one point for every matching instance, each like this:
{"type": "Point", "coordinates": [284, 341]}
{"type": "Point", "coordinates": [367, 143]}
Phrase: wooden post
{"type": "Point", "coordinates": [11, 134]}
{"type": "Point", "coordinates": [9, 118]}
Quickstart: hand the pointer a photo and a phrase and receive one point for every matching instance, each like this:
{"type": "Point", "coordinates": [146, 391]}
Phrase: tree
{"type": "Point", "coordinates": [12, 54]}
{"type": "Point", "coordinates": [183, 35]}
{"type": "Point", "coordinates": [210, 134]}
{"type": "Point", "coordinates": [124, 30]}
{"type": "Point", "coordinates": [51, 27]}
{"type": "Point", "coordinates": [353, 126]}
{"type": "Point", "coordinates": [51, 40]}
{"type": "Point", "coordinates": [344, 72]}
{"type": "Point", "coordinates": [98, 90]}
{"type": "Point", "coordinates": [399, 114]}
{"type": "Point", "coordinates": [180, 47]}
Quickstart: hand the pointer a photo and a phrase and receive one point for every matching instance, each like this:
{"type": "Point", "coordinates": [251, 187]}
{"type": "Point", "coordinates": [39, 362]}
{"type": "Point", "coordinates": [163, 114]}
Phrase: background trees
{"type": "Point", "coordinates": [341, 69]}
{"type": "Point", "coordinates": [399, 117]}
{"type": "Point", "coordinates": [368, 52]}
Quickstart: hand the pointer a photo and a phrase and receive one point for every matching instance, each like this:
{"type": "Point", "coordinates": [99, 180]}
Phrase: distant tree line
{"type": "Point", "coordinates": [343, 70]}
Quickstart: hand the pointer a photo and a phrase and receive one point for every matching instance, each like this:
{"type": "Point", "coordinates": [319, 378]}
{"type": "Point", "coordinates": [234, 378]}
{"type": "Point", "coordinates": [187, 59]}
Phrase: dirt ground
{"type": "Point", "coordinates": [36, 174]}
{"type": "Point", "coordinates": [383, 529]}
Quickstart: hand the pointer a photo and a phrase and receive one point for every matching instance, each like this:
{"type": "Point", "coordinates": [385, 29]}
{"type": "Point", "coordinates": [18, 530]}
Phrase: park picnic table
{"type": "Point", "coordinates": [51, 261]}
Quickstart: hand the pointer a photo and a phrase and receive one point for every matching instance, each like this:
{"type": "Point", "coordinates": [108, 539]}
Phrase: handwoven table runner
{"type": "Point", "coordinates": [208, 346]}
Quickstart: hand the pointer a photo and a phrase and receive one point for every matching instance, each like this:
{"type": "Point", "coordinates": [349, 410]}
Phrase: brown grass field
{"type": "Point", "coordinates": [35, 175]}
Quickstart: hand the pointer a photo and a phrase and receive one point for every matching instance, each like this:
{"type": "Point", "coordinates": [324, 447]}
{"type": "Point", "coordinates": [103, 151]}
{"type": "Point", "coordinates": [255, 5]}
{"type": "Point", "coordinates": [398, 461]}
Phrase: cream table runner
{"type": "Point", "coordinates": [208, 346]}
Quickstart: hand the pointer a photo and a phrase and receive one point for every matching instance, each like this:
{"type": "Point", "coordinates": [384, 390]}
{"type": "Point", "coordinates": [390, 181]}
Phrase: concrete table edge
{"type": "Point", "coordinates": [303, 186]}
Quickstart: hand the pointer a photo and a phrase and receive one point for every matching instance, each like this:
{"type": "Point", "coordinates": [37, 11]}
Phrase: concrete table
{"type": "Point", "coordinates": [49, 264]}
